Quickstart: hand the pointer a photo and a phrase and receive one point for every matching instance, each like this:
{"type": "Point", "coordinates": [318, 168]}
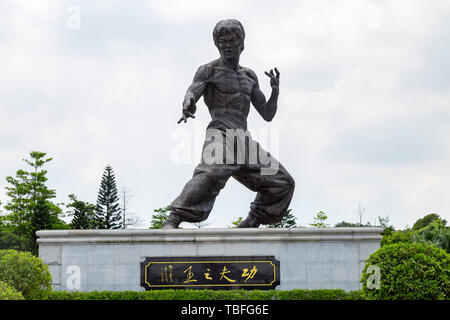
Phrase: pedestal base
{"type": "Point", "coordinates": [310, 258]}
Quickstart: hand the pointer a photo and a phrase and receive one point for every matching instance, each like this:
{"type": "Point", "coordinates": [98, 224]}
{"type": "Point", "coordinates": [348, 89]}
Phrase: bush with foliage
{"type": "Point", "coordinates": [9, 293]}
{"type": "Point", "coordinates": [435, 233]}
{"type": "Point", "coordinates": [391, 236]}
{"type": "Point", "coordinates": [26, 273]}
{"type": "Point", "coordinates": [425, 221]}
{"type": "Point", "coordinates": [409, 271]}
{"type": "Point", "coordinates": [171, 294]}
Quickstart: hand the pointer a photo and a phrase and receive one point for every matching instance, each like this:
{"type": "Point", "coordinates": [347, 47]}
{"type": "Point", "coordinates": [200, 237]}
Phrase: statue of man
{"type": "Point", "coordinates": [228, 89]}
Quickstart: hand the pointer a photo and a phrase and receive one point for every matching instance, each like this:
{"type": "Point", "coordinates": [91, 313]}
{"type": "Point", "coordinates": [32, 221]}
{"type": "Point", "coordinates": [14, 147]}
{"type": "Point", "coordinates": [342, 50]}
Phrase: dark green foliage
{"type": "Point", "coordinates": [9, 239]}
{"type": "Point", "coordinates": [26, 273]}
{"type": "Point", "coordinates": [382, 222]}
{"type": "Point", "coordinates": [159, 217]}
{"type": "Point", "coordinates": [425, 221]}
{"type": "Point", "coordinates": [296, 294]}
{"type": "Point", "coordinates": [7, 292]}
{"type": "Point", "coordinates": [288, 221]}
{"type": "Point", "coordinates": [435, 233]}
{"type": "Point", "coordinates": [345, 224]}
{"type": "Point", "coordinates": [108, 214]}
{"type": "Point", "coordinates": [409, 271]}
{"type": "Point", "coordinates": [400, 236]}
{"type": "Point", "coordinates": [83, 214]}
{"type": "Point", "coordinates": [30, 207]}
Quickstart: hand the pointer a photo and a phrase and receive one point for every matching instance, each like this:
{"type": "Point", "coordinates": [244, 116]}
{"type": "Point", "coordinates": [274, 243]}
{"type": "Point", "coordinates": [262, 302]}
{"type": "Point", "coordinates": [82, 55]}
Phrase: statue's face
{"type": "Point", "coordinates": [229, 46]}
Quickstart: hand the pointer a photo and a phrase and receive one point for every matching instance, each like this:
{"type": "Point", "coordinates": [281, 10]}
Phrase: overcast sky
{"type": "Point", "coordinates": [363, 114]}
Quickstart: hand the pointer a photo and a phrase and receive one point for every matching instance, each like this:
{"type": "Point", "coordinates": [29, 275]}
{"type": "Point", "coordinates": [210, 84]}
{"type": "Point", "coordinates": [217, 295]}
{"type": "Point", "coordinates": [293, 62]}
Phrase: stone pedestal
{"type": "Point", "coordinates": [310, 258]}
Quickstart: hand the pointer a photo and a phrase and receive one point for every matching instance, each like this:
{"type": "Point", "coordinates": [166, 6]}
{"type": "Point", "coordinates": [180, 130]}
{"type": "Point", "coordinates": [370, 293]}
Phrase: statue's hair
{"type": "Point", "coordinates": [228, 26]}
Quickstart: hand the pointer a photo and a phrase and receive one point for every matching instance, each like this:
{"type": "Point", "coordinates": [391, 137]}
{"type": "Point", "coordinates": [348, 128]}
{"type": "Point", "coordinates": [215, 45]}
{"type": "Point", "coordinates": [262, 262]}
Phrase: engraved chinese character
{"type": "Point", "coordinates": [170, 273]}
{"type": "Point", "coordinates": [189, 275]}
{"type": "Point", "coordinates": [167, 274]}
{"type": "Point", "coordinates": [223, 274]}
{"type": "Point", "coordinates": [207, 274]}
{"type": "Point", "coordinates": [163, 274]}
{"type": "Point", "coordinates": [249, 275]}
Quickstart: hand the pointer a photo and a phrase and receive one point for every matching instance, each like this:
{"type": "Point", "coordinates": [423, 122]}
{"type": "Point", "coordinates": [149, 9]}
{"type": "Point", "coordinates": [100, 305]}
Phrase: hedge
{"type": "Point", "coordinates": [296, 294]}
{"type": "Point", "coordinates": [25, 273]}
{"type": "Point", "coordinates": [7, 292]}
{"type": "Point", "coordinates": [408, 271]}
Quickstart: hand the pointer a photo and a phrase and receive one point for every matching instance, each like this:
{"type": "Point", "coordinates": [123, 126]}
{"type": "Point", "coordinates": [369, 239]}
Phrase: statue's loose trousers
{"type": "Point", "coordinates": [225, 156]}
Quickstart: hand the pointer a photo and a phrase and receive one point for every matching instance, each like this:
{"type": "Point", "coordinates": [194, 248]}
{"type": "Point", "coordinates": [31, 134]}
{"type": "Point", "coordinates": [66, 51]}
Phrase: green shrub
{"type": "Point", "coordinates": [9, 293]}
{"type": "Point", "coordinates": [409, 271]}
{"type": "Point", "coordinates": [170, 294]}
{"type": "Point", "coordinates": [391, 236]}
{"type": "Point", "coordinates": [26, 273]}
{"type": "Point", "coordinates": [435, 233]}
{"type": "Point", "coordinates": [425, 221]}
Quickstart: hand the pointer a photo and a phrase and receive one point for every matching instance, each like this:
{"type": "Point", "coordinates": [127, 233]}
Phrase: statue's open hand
{"type": "Point", "coordinates": [189, 109]}
{"type": "Point", "coordinates": [274, 78]}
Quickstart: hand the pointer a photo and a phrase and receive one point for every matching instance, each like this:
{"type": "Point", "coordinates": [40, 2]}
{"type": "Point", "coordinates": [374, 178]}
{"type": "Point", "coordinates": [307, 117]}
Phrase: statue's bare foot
{"type": "Point", "coordinates": [249, 222]}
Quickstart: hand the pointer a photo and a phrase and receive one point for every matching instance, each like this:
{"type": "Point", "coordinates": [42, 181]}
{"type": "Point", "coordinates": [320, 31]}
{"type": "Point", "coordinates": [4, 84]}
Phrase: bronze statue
{"type": "Point", "coordinates": [227, 89]}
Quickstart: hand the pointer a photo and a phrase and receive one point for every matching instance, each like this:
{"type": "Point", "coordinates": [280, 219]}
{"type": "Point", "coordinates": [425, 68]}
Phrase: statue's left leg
{"type": "Point", "coordinates": [274, 194]}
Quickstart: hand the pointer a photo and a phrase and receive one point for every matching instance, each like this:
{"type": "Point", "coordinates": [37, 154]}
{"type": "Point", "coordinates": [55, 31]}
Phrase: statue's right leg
{"type": "Point", "coordinates": [198, 195]}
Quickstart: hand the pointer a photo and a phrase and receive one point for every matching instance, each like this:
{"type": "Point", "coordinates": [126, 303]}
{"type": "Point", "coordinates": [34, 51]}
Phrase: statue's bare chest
{"type": "Point", "coordinates": [230, 82]}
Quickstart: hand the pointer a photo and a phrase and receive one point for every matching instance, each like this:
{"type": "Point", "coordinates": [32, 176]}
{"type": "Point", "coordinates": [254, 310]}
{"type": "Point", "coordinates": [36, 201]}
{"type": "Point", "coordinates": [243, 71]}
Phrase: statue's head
{"type": "Point", "coordinates": [229, 38]}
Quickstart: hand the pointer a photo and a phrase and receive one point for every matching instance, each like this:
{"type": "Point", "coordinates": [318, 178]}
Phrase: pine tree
{"type": "Point", "coordinates": [83, 213]}
{"type": "Point", "coordinates": [288, 221]}
{"type": "Point", "coordinates": [108, 214]}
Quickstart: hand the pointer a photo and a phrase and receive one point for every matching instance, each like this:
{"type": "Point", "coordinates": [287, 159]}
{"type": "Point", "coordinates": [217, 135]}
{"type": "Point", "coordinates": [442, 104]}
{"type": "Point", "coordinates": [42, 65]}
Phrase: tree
{"type": "Point", "coordinates": [125, 200]}
{"type": "Point", "coordinates": [435, 233]}
{"type": "Point", "coordinates": [83, 213]}
{"type": "Point", "coordinates": [160, 216]}
{"type": "Point", "coordinates": [236, 222]}
{"type": "Point", "coordinates": [30, 207]}
{"type": "Point", "coordinates": [351, 224]}
{"type": "Point", "coordinates": [361, 212]}
{"type": "Point", "coordinates": [383, 222]}
{"type": "Point", "coordinates": [319, 220]}
{"type": "Point", "coordinates": [288, 221]}
{"type": "Point", "coordinates": [108, 214]}
{"type": "Point", "coordinates": [425, 221]}
{"type": "Point", "coordinates": [128, 219]}
{"type": "Point", "coordinates": [9, 239]}
{"type": "Point", "coordinates": [346, 224]}
{"type": "Point", "coordinates": [430, 229]}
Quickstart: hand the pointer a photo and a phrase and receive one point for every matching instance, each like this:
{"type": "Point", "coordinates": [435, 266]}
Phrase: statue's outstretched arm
{"type": "Point", "coordinates": [194, 92]}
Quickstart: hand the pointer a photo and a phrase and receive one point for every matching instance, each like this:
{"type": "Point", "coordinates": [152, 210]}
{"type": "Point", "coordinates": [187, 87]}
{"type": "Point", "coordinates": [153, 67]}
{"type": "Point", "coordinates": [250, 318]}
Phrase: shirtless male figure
{"type": "Point", "coordinates": [228, 89]}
